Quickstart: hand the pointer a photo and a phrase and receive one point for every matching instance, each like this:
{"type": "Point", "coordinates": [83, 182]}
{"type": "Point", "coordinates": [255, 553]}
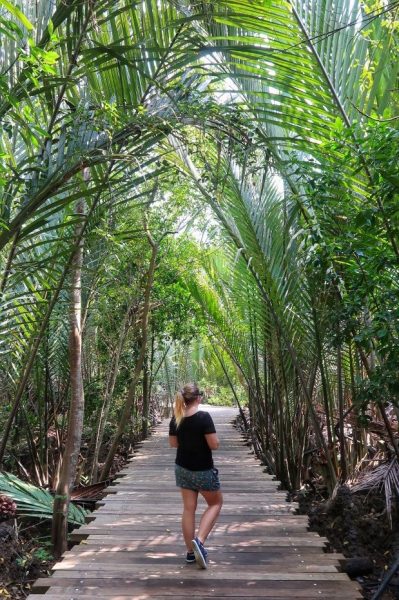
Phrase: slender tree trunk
{"type": "Point", "coordinates": [325, 388]}
{"type": "Point", "coordinates": [281, 449]}
{"type": "Point", "coordinates": [44, 448]}
{"type": "Point", "coordinates": [342, 449]}
{"type": "Point", "coordinates": [151, 367]}
{"type": "Point", "coordinates": [146, 398]}
{"type": "Point", "coordinates": [109, 390]}
{"type": "Point", "coordinates": [47, 392]}
{"type": "Point", "coordinates": [357, 439]}
{"type": "Point", "coordinates": [154, 372]}
{"type": "Point", "coordinates": [170, 391]}
{"type": "Point", "coordinates": [32, 351]}
{"type": "Point", "coordinates": [76, 410]}
{"type": "Point", "coordinates": [126, 413]}
{"type": "Point", "coordinates": [10, 259]}
{"type": "Point", "coordinates": [266, 396]}
{"type": "Point", "coordinates": [34, 455]}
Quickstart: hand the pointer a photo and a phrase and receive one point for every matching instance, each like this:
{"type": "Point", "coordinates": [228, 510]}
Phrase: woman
{"type": "Point", "coordinates": [193, 433]}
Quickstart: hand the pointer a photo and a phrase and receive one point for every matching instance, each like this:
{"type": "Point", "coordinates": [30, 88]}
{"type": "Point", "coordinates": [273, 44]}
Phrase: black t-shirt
{"type": "Point", "coordinates": [193, 452]}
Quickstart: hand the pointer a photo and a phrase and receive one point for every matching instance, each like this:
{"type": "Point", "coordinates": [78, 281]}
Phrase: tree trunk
{"type": "Point", "coordinates": [37, 338]}
{"type": "Point", "coordinates": [126, 413]}
{"type": "Point", "coordinates": [109, 390]}
{"type": "Point", "coordinates": [342, 448]}
{"type": "Point", "coordinates": [168, 410]}
{"type": "Point", "coordinates": [76, 410]}
{"type": "Point", "coordinates": [324, 382]}
{"type": "Point", "coordinates": [146, 398]}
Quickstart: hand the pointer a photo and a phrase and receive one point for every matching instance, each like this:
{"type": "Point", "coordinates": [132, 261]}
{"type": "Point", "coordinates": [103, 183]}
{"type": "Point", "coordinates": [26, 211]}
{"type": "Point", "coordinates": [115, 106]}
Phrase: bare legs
{"type": "Point", "coordinates": [214, 501]}
{"type": "Point", "coordinates": [188, 517]}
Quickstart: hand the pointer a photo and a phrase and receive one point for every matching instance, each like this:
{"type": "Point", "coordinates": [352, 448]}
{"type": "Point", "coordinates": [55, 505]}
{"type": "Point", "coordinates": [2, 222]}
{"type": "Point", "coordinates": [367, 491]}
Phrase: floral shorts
{"type": "Point", "coordinates": [207, 481]}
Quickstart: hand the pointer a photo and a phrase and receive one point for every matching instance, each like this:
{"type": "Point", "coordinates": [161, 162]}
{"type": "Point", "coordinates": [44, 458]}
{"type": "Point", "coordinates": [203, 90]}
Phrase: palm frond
{"type": "Point", "coordinates": [384, 478]}
{"type": "Point", "coordinates": [34, 502]}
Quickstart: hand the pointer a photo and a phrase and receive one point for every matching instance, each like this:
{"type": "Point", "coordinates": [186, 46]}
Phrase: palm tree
{"type": "Point", "coordinates": [254, 106]}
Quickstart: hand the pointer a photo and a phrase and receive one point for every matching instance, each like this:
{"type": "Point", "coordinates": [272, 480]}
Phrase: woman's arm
{"type": "Point", "coordinates": [173, 442]}
{"type": "Point", "coordinates": [212, 440]}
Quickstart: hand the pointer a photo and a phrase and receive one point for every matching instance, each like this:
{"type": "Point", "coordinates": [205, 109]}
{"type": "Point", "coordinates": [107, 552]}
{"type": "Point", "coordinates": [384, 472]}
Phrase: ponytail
{"type": "Point", "coordinates": [179, 408]}
{"type": "Point", "coordinates": [184, 398]}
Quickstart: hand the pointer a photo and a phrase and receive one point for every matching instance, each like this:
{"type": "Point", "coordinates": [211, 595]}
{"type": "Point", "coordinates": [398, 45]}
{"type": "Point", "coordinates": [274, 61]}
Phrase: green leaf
{"type": "Point", "coordinates": [35, 502]}
{"type": "Point", "coordinates": [14, 10]}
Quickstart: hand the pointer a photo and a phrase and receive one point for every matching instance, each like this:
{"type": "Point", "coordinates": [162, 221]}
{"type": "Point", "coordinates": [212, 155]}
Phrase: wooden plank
{"type": "Point", "coordinates": [63, 594]}
{"type": "Point", "coordinates": [133, 522]}
{"type": "Point", "coordinates": [151, 565]}
{"type": "Point", "coordinates": [163, 537]}
{"type": "Point", "coordinates": [142, 572]}
{"type": "Point", "coordinates": [133, 517]}
{"type": "Point", "coordinates": [131, 547]}
{"type": "Point", "coordinates": [201, 587]}
{"type": "Point", "coordinates": [137, 547]}
{"type": "Point", "coordinates": [234, 542]}
{"type": "Point", "coordinates": [106, 552]}
{"type": "Point", "coordinates": [226, 557]}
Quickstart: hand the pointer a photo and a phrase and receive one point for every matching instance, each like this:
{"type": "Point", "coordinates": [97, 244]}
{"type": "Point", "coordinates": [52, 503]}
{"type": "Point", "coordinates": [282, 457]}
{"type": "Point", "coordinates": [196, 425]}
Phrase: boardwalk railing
{"type": "Point", "coordinates": [133, 548]}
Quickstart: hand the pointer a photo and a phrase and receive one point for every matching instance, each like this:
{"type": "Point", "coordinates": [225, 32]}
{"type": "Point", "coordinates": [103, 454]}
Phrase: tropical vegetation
{"type": "Point", "coordinates": [198, 190]}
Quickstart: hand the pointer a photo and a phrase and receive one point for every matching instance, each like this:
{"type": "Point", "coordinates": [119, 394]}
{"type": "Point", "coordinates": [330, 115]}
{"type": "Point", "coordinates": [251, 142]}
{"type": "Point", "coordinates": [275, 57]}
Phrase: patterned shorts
{"type": "Point", "coordinates": [207, 481]}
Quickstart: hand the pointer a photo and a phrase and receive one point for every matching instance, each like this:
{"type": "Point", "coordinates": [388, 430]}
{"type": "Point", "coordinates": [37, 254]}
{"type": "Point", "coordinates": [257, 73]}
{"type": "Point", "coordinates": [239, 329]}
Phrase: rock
{"type": "Point", "coordinates": [357, 566]}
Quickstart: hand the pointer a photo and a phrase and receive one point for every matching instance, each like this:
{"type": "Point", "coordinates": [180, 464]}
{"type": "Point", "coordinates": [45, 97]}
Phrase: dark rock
{"type": "Point", "coordinates": [357, 566]}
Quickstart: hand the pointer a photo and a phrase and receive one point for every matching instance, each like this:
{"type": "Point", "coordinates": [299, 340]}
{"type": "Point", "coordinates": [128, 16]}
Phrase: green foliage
{"type": "Point", "coordinates": [34, 502]}
{"type": "Point", "coordinates": [16, 12]}
{"type": "Point", "coordinates": [41, 554]}
{"type": "Point", "coordinates": [149, 111]}
{"type": "Point", "coordinates": [356, 247]}
{"type": "Point", "coordinates": [218, 395]}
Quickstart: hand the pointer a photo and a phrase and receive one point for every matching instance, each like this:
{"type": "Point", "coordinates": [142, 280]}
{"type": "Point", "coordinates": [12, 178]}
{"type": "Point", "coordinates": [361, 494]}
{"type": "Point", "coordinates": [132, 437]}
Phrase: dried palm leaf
{"type": "Point", "coordinates": [384, 477]}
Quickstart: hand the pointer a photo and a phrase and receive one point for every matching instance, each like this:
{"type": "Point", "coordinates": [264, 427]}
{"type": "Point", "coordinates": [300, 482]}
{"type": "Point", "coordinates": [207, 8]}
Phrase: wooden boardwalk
{"type": "Point", "coordinates": [133, 549]}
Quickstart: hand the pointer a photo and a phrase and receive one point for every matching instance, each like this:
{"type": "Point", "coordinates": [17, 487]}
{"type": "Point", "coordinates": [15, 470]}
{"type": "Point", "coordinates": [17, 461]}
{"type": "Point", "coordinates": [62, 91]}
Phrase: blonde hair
{"type": "Point", "coordinates": [183, 398]}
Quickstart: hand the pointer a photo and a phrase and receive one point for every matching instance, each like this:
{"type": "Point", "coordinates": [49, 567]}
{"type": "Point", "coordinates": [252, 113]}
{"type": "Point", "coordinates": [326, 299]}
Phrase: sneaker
{"type": "Point", "coordinates": [190, 558]}
{"type": "Point", "coordinates": [201, 554]}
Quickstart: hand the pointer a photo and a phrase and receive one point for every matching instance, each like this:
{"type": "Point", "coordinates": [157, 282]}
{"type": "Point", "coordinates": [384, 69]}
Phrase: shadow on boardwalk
{"type": "Point", "coordinates": [133, 548]}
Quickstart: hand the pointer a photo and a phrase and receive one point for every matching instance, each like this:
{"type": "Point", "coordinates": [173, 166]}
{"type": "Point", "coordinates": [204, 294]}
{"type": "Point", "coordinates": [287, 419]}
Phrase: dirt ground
{"type": "Point", "coordinates": [356, 525]}
{"type": "Point", "coordinates": [24, 557]}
